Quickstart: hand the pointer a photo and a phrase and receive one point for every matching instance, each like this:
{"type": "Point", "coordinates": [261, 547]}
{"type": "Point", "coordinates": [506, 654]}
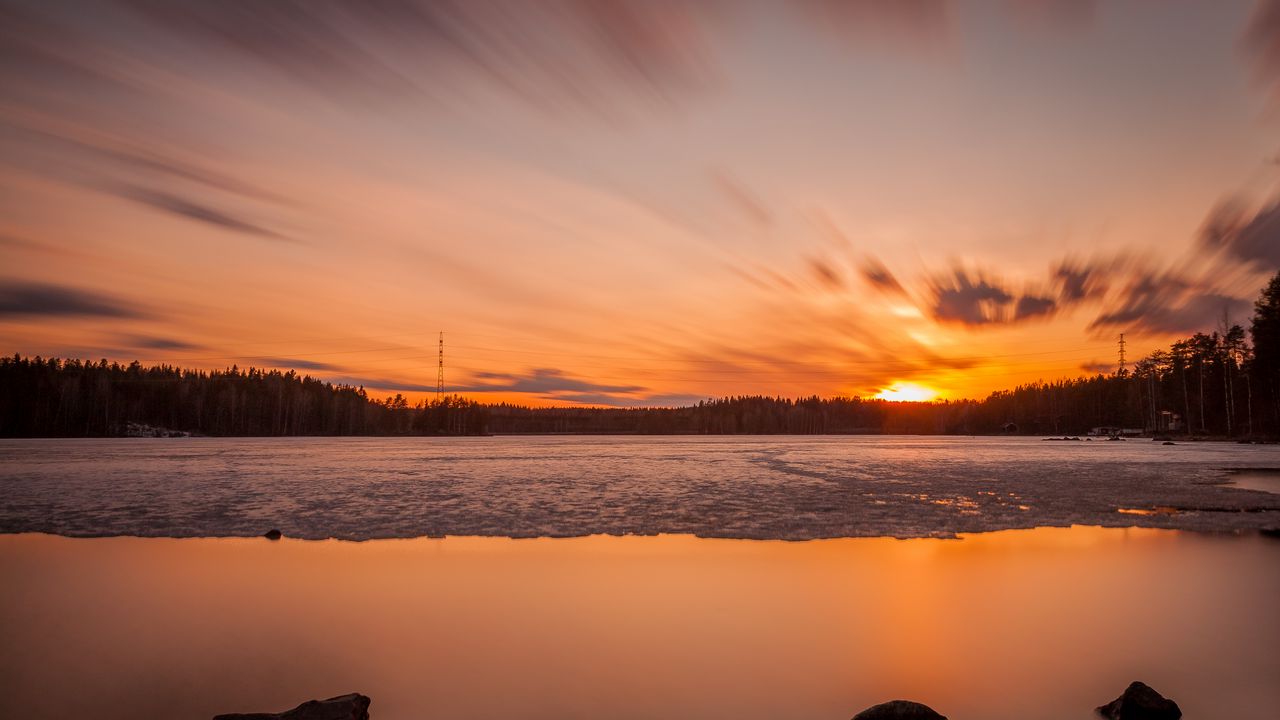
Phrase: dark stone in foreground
{"type": "Point", "coordinates": [272, 534]}
{"type": "Point", "coordinates": [899, 710]}
{"type": "Point", "coordinates": [344, 707]}
{"type": "Point", "coordinates": [1140, 702]}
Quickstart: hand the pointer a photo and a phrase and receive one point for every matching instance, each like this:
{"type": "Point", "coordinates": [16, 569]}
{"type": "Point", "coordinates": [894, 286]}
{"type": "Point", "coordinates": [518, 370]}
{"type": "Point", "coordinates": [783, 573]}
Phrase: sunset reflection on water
{"type": "Point", "coordinates": [1045, 623]}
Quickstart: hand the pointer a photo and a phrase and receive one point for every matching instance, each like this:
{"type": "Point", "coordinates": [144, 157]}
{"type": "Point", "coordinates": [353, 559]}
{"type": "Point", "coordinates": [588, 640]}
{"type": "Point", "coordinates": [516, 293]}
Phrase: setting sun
{"type": "Point", "coordinates": [907, 392]}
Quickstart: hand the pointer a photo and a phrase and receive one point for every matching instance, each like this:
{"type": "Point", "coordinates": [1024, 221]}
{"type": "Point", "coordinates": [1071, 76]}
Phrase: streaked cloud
{"type": "Point", "coordinates": [826, 273]}
{"type": "Point", "coordinates": [543, 381]}
{"type": "Point", "coordinates": [18, 298]}
{"type": "Point", "coordinates": [1261, 41]}
{"type": "Point", "coordinates": [1248, 237]}
{"type": "Point", "coordinates": [287, 363]}
{"type": "Point", "coordinates": [1030, 306]}
{"type": "Point", "coordinates": [746, 202]}
{"type": "Point", "coordinates": [880, 278]}
{"type": "Point", "coordinates": [191, 210]}
{"type": "Point", "coordinates": [1098, 367]}
{"type": "Point", "coordinates": [154, 342]}
{"type": "Point", "coordinates": [1168, 303]}
{"type": "Point", "coordinates": [969, 298]}
{"type": "Point", "coordinates": [547, 54]}
{"type": "Point", "coordinates": [910, 23]}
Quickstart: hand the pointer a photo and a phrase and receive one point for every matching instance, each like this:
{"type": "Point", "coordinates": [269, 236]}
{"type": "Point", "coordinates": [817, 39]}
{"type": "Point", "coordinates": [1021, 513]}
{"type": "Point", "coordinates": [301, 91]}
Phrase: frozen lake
{"type": "Point", "coordinates": [738, 487]}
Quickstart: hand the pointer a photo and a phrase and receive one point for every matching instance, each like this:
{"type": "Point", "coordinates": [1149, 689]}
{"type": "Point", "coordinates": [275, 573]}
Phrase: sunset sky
{"type": "Point", "coordinates": [645, 203]}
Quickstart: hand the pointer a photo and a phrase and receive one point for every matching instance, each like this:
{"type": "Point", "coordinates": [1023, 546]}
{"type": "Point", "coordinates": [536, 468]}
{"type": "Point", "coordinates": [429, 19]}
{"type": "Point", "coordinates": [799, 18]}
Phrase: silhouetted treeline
{"type": "Point", "coordinates": [1216, 384]}
{"type": "Point", "coordinates": [70, 398]}
{"type": "Point", "coordinates": [753, 415]}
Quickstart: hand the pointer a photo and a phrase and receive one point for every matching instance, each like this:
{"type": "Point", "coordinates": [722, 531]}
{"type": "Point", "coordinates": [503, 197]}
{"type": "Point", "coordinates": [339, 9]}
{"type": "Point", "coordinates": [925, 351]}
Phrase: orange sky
{"type": "Point", "coordinates": [635, 203]}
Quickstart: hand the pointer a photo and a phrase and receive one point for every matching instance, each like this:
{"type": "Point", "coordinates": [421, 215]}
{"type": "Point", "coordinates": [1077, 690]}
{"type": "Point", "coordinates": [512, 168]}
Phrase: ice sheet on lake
{"type": "Point", "coordinates": [744, 487]}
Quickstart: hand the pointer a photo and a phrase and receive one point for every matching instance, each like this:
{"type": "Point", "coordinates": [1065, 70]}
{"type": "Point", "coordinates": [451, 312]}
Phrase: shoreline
{"type": "Point", "coordinates": [191, 435]}
{"type": "Point", "coordinates": [953, 537]}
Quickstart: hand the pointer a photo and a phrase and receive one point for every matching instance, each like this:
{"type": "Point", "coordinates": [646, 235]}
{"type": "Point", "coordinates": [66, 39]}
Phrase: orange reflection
{"type": "Point", "coordinates": [1045, 623]}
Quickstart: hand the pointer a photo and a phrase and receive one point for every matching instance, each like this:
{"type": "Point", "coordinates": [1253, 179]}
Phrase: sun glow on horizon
{"type": "Point", "coordinates": [907, 392]}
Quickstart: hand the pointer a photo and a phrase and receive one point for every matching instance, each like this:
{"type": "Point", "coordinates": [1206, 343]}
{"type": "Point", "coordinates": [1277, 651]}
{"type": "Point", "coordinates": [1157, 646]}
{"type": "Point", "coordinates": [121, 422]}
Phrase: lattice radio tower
{"type": "Point", "coordinates": [440, 370]}
{"type": "Point", "coordinates": [1122, 370]}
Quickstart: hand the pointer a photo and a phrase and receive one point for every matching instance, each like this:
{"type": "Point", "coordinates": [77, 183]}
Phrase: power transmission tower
{"type": "Point", "coordinates": [440, 370]}
{"type": "Point", "coordinates": [1121, 371]}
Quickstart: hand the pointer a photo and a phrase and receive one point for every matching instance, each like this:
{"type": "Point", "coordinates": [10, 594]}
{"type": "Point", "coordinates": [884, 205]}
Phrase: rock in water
{"type": "Point", "coordinates": [1140, 702]}
{"type": "Point", "coordinates": [272, 534]}
{"type": "Point", "coordinates": [899, 710]}
{"type": "Point", "coordinates": [344, 707]}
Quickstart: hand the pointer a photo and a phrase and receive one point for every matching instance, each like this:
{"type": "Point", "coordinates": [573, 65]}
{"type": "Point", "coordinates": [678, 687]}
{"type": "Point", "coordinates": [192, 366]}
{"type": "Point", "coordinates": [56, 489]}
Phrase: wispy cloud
{"type": "Point", "coordinates": [1167, 303]}
{"type": "Point", "coordinates": [746, 202]}
{"type": "Point", "coordinates": [1262, 42]}
{"type": "Point", "coordinates": [192, 210]}
{"type": "Point", "coordinates": [544, 381]}
{"type": "Point", "coordinates": [559, 52]}
{"type": "Point", "coordinates": [296, 364]}
{"type": "Point", "coordinates": [913, 24]}
{"type": "Point", "coordinates": [1248, 238]}
{"type": "Point", "coordinates": [826, 274]}
{"type": "Point", "coordinates": [152, 342]}
{"type": "Point", "coordinates": [1098, 367]}
{"type": "Point", "coordinates": [26, 298]}
{"type": "Point", "coordinates": [879, 276]}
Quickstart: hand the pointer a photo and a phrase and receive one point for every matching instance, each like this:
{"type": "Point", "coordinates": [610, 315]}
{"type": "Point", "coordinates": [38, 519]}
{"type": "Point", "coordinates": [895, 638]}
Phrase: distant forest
{"type": "Point", "coordinates": [1221, 384]}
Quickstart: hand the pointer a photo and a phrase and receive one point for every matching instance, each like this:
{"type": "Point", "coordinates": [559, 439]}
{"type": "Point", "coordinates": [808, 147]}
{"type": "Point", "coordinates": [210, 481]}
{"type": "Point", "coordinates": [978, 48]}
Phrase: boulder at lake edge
{"type": "Point", "coordinates": [1140, 702]}
{"type": "Point", "coordinates": [344, 707]}
{"type": "Point", "coordinates": [899, 710]}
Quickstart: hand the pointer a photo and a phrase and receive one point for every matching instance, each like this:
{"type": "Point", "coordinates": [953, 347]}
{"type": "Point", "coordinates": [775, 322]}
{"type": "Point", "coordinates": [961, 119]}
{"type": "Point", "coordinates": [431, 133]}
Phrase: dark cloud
{"type": "Point", "coordinates": [970, 300]}
{"type": "Point", "coordinates": [1167, 303]}
{"type": "Point", "coordinates": [1253, 239]}
{"type": "Point", "coordinates": [184, 170]}
{"type": "Point", "coordinates": [567, 51]}
{"type": "Point", "coordinates": [160, 165]}
{"type": "Point", "coordinates": [540, 380]}
{"type": "Point", "coordinates": [1262, 42]}
{"type": "Point", "coordinates": [826, 274]}
{"type": "Point", "coordinates": [1098, 367]}
{"type": "Point", "coordinates": [191, 210]}
{"type": "Point", "coordinates": [875, 273]}
{"type": "Point", "coordinates": [1030, 306]}
{"type": "Point", "coordinates": [297, 364]}
{"type": "Point", "coordinates": [151, 342]}
{"type": "Point", "coordinates": [23, 298]}
{"type": "Point", "coordinates": [1078, 281]}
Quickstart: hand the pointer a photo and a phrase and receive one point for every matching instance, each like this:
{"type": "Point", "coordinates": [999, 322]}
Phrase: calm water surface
{"type": "Point", "coordinates": [1010, 625]}
{"type": "Point", "coordinates": [744, 487]}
